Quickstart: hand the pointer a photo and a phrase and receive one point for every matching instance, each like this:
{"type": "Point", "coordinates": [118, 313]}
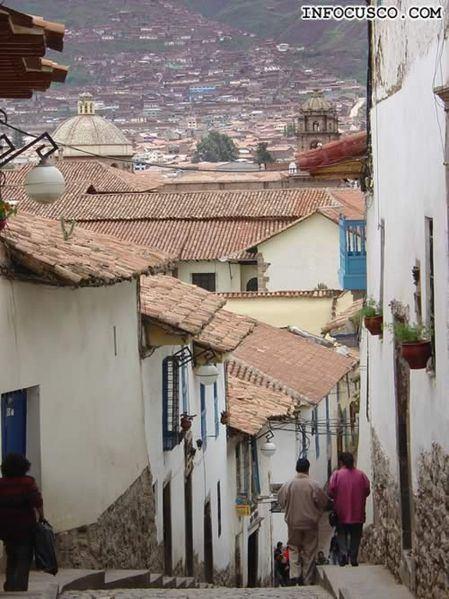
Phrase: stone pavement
{"type": "Point", "coordinates": [313, 592]}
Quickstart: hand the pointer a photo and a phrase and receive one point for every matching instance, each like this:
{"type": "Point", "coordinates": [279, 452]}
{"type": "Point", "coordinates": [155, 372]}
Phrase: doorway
{"type": "Point", "coordinates": [402, 387]}
{"type": "Point", "coordinates": [188, 524]}
{"type": "Point", "coordinates": [208, 545]}
{"type": "Point", "coordinates": [253, 562]}
{"type": "Point", "coordinates": [166, 510]}
{"type": "Point", "coordinates": [14, 422]}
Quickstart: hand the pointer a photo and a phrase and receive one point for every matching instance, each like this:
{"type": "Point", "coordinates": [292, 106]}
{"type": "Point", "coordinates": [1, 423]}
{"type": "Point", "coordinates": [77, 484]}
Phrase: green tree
{"type": "Point", "coordinates": [262, 154]}
{"type": "Point", "coordinates": [215, 147]}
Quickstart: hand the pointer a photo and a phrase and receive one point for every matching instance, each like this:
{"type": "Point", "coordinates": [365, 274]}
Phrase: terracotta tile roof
{"type": "Point", "coordinates": [24, 40]}
{"type": "Point", "coordinates": [344, 317]}
{"type": "Point", "coordinates": [328, 293]}
{"type": "Point", "coordinates": [191, 226]}
{"type": "Point", "coordinates": [251, 406]}
{"type": "Point", "coordinates": [192, 240]}
{"type": "Point", "coordinates": [225, 331]}
{"type": "Point", "coordinates": [350, 146]}
{"type": "Point", "coordinates": [352, 202]}
{"type": "Point", "coordinates": [171, 302]}
{"type": "Point", "coordinates": [277, 204]}
{"type": "Point", "coordinates": [303, 366]}
{"type": "Point", "coordinates": [37, 245]}
{"type": "Point", "coordinates": [246, 372]}
{"type": "Point", "coordinates": [79, 176]}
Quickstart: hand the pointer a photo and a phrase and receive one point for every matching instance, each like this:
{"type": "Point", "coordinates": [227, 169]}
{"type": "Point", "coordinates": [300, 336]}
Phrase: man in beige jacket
{"type": "Point", "coordinates": [303, 502]}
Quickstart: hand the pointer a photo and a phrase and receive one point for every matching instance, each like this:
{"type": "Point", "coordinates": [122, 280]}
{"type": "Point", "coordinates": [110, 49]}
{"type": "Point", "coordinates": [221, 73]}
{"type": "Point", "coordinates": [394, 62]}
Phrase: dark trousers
{"type": "Point", "coordinates": [19, 555]}
{"type": "Point", "coordinates": [349, 537]}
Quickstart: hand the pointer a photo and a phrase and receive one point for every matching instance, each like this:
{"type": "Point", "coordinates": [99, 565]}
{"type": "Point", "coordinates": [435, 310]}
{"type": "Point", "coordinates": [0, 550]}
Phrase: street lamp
{"type": "Point", "coordinates": [44, 183]}
{"type": "Point", "coordinates": [268, 448]}
{"type": "Point", "coordinates": [207, 374]}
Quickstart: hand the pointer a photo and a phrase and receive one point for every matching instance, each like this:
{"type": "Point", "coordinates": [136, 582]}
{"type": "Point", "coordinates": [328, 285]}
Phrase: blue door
{"type": "Point", "coordinates": [14, 422]}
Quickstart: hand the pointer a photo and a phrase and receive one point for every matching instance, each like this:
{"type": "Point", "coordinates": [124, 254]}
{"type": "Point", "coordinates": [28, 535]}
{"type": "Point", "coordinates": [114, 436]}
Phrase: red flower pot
{"type": "Point", "coordinates": [374, 324]}
{"type": "Point", "coordinates": [2, 223]}
{"type": "Point", "coordinates": [186, 424]}
{"type": "Point", "coordinates": [416, 353]}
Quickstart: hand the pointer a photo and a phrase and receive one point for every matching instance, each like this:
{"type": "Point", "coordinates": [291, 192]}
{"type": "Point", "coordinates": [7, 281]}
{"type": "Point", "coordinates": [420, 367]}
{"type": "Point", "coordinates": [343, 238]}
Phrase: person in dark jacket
{"type": "Point", "coordinates": [20, 503]}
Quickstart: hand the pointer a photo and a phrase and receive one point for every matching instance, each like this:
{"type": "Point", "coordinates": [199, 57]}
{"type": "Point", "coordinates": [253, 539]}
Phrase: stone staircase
{"type": "Point", "coordinates": [44, 586]}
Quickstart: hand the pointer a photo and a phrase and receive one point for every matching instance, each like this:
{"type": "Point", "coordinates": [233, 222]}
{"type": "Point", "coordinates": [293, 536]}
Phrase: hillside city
{"type": "Point", "coordinates": [169, 75]}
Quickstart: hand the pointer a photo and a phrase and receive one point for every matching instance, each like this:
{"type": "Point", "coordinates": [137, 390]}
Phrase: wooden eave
{"type": "Point", "coordinates": [24, 40]}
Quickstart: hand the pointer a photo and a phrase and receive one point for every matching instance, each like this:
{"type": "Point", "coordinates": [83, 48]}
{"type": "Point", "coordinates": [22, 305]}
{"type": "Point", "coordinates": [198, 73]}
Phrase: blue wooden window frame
{"type": "Point", "coordinates": [170, 403]}
{"type": "Point", "coordinates": [216, 415]}
{"type": "Point", "coordinates": [203, 415]}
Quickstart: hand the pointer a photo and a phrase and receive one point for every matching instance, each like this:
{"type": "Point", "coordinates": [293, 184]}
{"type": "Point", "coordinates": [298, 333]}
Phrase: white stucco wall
{"type": "Point", "coordinates": [409, 128]}
{"type": "Point", "coordinates": [303, 256]}
{"type": "Point", "coordinates": [209, 463]}
{"type": "Point", "coordinates": [60, 341]}
{"type": "Point", "coordinates": [228, 275]}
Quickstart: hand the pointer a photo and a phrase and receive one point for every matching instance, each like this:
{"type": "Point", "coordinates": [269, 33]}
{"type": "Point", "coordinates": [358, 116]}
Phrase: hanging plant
{"type": "Point", "coordinates": [372, 317]}
{"type": "Point", "coordinates": [6, 210]}
{"type": "Point", "coordinates": [416, 347]}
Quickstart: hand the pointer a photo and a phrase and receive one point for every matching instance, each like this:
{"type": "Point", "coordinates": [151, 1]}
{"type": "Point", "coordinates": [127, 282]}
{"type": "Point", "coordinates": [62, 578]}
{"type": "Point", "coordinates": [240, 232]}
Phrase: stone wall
{"type": "Point", "coordinates": [431, 542]}
{"type": "Point", "coordinates": [381, 542]}
{"type": "Point", "coordinates": [428, 561]}
{"type": "Point", "coordinates": [123, 537]}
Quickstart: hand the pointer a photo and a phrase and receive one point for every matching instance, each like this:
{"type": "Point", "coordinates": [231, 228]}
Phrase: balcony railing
{"type": "Point", "coordinates": [352, 254]}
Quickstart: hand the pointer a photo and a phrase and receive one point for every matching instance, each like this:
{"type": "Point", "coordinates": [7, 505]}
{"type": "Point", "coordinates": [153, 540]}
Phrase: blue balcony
{"type": "Point", "coordinates": [352, 271]}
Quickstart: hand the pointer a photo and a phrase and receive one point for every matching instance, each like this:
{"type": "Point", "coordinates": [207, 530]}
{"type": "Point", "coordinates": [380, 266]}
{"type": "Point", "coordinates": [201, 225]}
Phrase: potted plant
{"type": "Point", "coordinates": [372, 317]}
{"type": "Point", "coordinates": [6, 210]}
{"type": "Point", "coordinates": [416, 347]}
{"type": "Point", "coordinates": [224, 419]}
{"type": "Point", "coordinates": [186, 422]}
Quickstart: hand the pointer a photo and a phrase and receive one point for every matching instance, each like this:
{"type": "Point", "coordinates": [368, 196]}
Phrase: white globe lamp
{"type": "Point", "coordinates": [207, 374]}
{"type": "Point", "coordinates": [268, 449]}
{"type": "Point", "coordinates": [44, 183]}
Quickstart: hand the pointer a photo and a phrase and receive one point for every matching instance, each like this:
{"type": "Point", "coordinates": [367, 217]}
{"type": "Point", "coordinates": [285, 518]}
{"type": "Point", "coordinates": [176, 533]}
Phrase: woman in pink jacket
{"type": "Point", "coordinates": [349, 489]}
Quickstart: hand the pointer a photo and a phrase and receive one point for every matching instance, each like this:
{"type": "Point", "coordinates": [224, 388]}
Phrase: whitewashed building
{"type": "Point", "coordinates": [71, 398]}
{"type": "Point", "coordinates": [185, 328]}
{"type": "Point", "coordinates": [406, 410]}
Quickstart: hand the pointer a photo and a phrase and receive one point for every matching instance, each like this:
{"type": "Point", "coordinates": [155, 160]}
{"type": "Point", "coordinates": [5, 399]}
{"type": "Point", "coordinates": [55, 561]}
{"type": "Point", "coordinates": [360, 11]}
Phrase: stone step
{"type": "Point", "coordinates": [127, 579]}
{"type": "Point", "coordinates": [363, 582]}
{"type": "Point", "coordinates": [185, 582]}
{"type": "Point", "coordinates": [155, 581]}
{"type": "Point", "coordinates": [80, 580]}
{"type": "Point", "coordinates": [168, 582]}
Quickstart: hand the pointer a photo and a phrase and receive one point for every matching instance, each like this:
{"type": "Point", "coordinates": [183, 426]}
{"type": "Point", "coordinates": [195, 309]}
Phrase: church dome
{"type": "Point", "coordinates": [317, 103]}
{"type": "Point", "coordinates": [91, 132]}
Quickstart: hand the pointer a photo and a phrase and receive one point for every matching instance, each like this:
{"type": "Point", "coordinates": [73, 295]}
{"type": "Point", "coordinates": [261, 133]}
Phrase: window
{"type": "Point", "coordinates": [185, 388]}
{"type": "Point", "coordinates": [252, 285]}
{"type": "Point", "coordinates": [315, 428]}
{"type": "Point", "coordinates": [430, 282]}
{"type": "Point", "coordinates": [219, 508]}
{"type": "Point", "coordinates": [216, 410]}
{"type": "Point", "coordinates": [203, 415]}
{"type": "Point", "coordinates": [255, 479]}
{"type": "Point", "coordinates": [170, 403]}
{"type": "Point", "coordinates": [206, 280]}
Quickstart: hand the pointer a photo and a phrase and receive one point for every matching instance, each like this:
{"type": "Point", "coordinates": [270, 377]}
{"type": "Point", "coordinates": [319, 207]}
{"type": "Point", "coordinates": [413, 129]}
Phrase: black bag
{"type": "Point", "coordinates": [44, 548]}
{"type": "Point", "coordinates": [333, 519]}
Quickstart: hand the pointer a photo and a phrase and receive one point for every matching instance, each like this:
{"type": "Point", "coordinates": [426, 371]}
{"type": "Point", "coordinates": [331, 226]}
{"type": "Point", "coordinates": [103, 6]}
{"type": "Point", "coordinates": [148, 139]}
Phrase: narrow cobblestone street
{"type": "Point", "coordinates": [312, 592]}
